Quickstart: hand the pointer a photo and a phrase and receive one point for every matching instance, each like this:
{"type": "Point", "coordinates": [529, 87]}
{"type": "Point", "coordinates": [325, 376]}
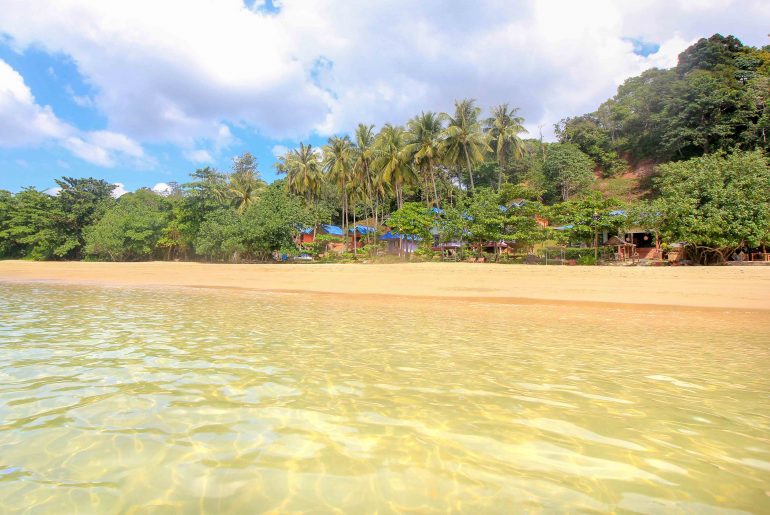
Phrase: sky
{"type": "Point", "coordinates": [142, 93]}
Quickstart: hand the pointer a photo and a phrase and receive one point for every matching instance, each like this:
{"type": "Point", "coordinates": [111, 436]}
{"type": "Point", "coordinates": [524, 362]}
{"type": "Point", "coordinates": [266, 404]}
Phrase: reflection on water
{"type": "Point", "coordinates": [170, 401]}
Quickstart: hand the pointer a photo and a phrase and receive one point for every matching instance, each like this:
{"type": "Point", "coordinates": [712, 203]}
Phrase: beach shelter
{"type": "Point", "coordinates": [623, 250]}
{"type": "Point", "coordinates": [357, 232]}
{"type": "Point", "coordinates": [408, 242]}
{"type": "Point", "coordinates": [308, 235]}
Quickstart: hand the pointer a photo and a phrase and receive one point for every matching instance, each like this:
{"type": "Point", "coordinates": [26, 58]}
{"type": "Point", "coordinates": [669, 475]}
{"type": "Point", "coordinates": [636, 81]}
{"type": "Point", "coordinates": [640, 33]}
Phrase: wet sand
{"type": "Point", "coordinates": [697, 287]}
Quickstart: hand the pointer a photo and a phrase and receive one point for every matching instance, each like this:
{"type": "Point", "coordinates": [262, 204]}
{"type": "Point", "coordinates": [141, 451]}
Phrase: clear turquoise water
{"type": "Point", "coordinates": [178, 401]}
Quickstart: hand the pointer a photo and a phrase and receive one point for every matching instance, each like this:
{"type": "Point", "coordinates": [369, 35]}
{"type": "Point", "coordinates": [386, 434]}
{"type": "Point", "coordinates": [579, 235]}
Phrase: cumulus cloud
{"type": "Point", "coordinates": [23, 122]}
{"type": "Point", "coordinates": [180, 71]}
{"type": "Point", "coordinates": [120, 190]}
{"type": "Point", "coordinates": [162, 188]}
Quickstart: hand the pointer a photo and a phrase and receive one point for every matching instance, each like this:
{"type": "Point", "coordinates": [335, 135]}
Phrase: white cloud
{"type": "Point", "coordinates": [120, 190]}
{"type": "Point", "coordinates": [199, 156]}
{"type": "Point", "coordinates": [162, 188]}
{"type": "Point", "coordinates": [52, 191]}
{"type": "Point", "coordinates": [279, 150]}
{"type": "Point", "coordinates": [102, 147]}
{"type": "Point", "coordinates": [180, 71]}
{"type": "Point", "coordinates": [23, 122]}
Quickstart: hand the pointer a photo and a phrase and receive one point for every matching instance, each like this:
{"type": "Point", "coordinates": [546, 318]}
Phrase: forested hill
{"type": "Point", "coordinates": [716, 98]}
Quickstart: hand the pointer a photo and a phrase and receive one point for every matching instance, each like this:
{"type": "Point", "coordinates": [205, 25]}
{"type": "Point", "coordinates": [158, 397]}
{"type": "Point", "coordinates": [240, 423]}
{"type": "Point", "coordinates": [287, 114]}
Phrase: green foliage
{"type": "Point", "coordinates": [569, 170]}
{"type": "Point", "coordinates": [588, 135]}
{"type": "Point", "coordinates": [7, 244]}
{"type": "Point", "coordinates": [81, 202]}
{"type": "Point", "coordinates": [220, 238]}
{"type": "Point", "coordinates": [412, 219]}
{"type": "Point", "coordinates": [269, 224]}
{"type": "Point", "coordinates": [272, 223]}
{"type": "Point", "coordinates": [521, 224]}
{"type": "Point", "coordinates": [588, 215]}
{"type": "Point", "coordinates": [131, 229]}
{"type": "Point", "coordinates": [35, 227]}
{"type": "Point", "coordinates": [717, 202]}
{"type": "Point", "coordinates": [714, 99]}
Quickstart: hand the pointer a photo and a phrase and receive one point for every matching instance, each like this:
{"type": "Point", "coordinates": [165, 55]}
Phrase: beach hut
{"type": "Point", "coordinates": [622, 250]}
{"type": "Point", "coordinates": [398, 243]}
{"type": "Point", "coordinates": [450, 251]}
{"type": "Point", "coordinates": [308, 235]}
{"type": "Point", "coordinates": [358, 234]}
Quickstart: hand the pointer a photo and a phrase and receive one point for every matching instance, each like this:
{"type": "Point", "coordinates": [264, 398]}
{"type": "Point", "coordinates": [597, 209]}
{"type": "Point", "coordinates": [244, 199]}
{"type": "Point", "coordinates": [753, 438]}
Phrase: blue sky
{"type": "Point", "coordinates": [141, 93]}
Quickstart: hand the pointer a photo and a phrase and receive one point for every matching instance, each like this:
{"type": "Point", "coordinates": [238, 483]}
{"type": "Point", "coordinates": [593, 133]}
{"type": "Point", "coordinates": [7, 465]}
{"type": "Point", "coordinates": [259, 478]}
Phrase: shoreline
{"type": "Point", "coordinates": [734, 288]}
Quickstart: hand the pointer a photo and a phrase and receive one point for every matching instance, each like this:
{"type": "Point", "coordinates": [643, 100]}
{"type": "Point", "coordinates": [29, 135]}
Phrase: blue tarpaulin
{"type": "Point", "coordinates": [325, 229]}
{"type": "Point", "coordinates": [563, 227]}
{"type": "Point", "coordinates": [362, 229]}
{"type": "Point", "coordinates": [390, 235]}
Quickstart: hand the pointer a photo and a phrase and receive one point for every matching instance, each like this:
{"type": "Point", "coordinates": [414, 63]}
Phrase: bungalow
{"type": "Point", "coordinates": [308, 235]}
{"type": "Point", "coordinates": [398, 243]}
{"type": "Point", "coordinates": [358, 235]}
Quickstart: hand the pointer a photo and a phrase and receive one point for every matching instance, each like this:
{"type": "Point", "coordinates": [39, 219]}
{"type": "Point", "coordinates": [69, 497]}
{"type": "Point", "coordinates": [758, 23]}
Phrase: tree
{"type": "Point", "coordinates": [7, 245]}
{"type": "Point", "coordinates": [302, 167]}
{"type": "Point", "coordinates": [504, 127]}
{"type": "Point", "coordinates": [131, 229]}
{"type": "Point", "coordinates": [425, 146]}
{"type": "Point", "coordinates": [338, 164]}
{"type": "Point", "coordinates": [412, 219]}
{"type": "Point", "coordinates": [34, 226]}
{"type": "Point", "coordinates": [220, 237]}
{"type": "Point", "coordinates": [82, 202]}
{"type": "Point", "coordinates": [716, 203]}
{"type": "Point", "coordinates": [363, 152]}
{"type": "Point", "coordinates": [272, 223]}
{"type": "Point", "coordinates": [244, 183]}
{"type": "Point", "coordinates": [569, 170]}
{"type": "Point", "coordinates": [591, 138]}
{"type": "Point", "coordinates": [521, 224]}
{"type": "Point", "coordinates": [588, 215]}
{"type": "Point", "coordinates": [486, 220]}
{"type": "Point", "coordinates": [464, 142]}
{"type": "Point", "coordinates": [393, 162]}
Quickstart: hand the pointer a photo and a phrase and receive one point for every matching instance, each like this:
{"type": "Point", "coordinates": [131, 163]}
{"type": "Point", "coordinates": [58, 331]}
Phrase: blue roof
{"type": "Point", "coordinates": [618, 212]}
{"type": "Point", "coordinates": [328, 229]}
{"type": "Point", "coordinates": [563, 227]}
{"type": "Point", "coordinates": [362, 229]}
{"type": "Point", "coordinates": [390, 235]}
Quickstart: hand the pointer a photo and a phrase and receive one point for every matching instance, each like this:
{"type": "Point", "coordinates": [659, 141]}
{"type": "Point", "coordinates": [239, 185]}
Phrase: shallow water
{"type": "Point", "coordinates": [166, 401]}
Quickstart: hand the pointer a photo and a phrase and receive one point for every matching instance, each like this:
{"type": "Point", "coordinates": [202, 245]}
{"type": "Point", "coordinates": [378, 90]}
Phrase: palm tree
{"type": "Point", "coordinates": [392, 162]}
{"type": "Point", "coordinates": [243, 187]}
{"type": "Point", "coordinates": [425, 147]}
{"type": "Point", "coordinates": [302, 167]}
{"type": "Point", "coordinates": [464, 140]}
{"type": "Point", "coordinates": [364, 154]}
{"type": "Point", "coordinates": [338, 164]}
{"type": "Point", "coordinates": [504, 128]}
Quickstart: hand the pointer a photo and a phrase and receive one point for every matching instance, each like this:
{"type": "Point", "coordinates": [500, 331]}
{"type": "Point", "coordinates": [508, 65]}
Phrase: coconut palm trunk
{"type": "Point", "coordinates": [468, 162]}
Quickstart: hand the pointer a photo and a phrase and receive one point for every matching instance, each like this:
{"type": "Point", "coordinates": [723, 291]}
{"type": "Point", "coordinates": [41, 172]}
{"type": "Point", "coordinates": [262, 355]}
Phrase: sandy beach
{"type": "Point", "coordinates": [713, 287]}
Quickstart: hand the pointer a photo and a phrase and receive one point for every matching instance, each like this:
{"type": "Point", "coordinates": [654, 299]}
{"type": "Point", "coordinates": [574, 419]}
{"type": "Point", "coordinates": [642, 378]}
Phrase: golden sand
{"type": "Point", "coordinates": [714, 287]}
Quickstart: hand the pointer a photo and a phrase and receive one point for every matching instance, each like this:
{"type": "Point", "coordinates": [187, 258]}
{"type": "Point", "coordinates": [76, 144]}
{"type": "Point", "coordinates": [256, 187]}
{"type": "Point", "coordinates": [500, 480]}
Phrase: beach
{"type": "Point", "coordinates": [695, 287]}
